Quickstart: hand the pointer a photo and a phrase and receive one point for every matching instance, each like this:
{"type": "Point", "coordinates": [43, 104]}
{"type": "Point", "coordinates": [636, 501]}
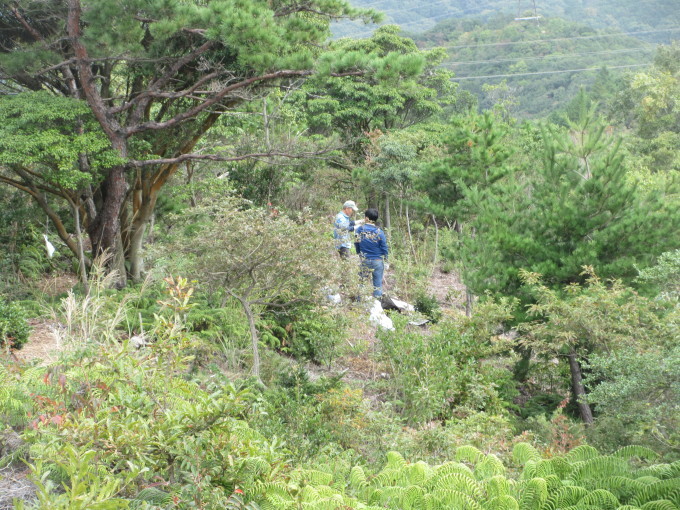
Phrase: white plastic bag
{"type": "Point", "coordinates": [379, 318]}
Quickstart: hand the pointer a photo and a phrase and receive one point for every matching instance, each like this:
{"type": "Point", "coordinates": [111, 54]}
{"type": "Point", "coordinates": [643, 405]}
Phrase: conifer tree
{"type": "Point", "coordinates": [579, 208]}
{"type": "Point", "coordinates": [156, 75]}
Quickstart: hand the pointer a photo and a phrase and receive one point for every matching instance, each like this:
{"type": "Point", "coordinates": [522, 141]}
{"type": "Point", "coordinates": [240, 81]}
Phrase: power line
{"type": "Point", "coordinates": [546, 72]}
{"type": "Point", "coordinates": [596, 36]}
{"type": "Point", "coordinates": [555, 55]}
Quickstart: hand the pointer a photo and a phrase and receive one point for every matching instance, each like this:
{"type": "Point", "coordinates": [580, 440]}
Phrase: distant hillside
{"type": "Point", "coordinates": [624, 15]}
{"type": "Point", "coordinates": [543, 64]}
{"type": "Point", "coordinates": [544, 61]}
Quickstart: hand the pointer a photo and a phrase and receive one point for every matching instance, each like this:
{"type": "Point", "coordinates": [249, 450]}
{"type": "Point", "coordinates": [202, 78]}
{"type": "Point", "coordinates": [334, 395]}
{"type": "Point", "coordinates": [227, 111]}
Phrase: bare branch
{"type": "Point", "coordinates": [36, 35]}
{"type": "Point", "coordinates": [143, 99]}
{"type": "Point", "coordinates": [213, 100]}
{"type": "Point", "coordinates": [217, 157]}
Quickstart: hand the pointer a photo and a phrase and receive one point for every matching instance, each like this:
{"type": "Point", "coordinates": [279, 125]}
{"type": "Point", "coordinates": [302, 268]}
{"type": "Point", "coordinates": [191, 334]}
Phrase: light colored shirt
{"type": "Point", "coordinates": [341, 233]}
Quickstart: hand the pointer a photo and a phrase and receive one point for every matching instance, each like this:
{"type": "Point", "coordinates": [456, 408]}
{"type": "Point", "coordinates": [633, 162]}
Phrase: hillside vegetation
{"type": "Point", "coordinates": [179, 329]}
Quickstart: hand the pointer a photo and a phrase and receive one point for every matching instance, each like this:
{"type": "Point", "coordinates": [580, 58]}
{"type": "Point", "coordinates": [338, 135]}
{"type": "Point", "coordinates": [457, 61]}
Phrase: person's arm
{"type": "Point", "coordinates": [357, 240]}
{"type": "Point", "coordinates": [382, 243]}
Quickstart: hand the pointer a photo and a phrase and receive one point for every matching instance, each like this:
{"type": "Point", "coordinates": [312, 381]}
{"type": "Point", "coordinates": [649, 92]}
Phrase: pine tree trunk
{"type": "Point", "coordinates": [142, 219]}
{"type": "Point", "coordinates": [388, 218]}
{"type": "Point", "coordinates": [105, 232]}
{"type": "Point", "coordinates": [578, 389]}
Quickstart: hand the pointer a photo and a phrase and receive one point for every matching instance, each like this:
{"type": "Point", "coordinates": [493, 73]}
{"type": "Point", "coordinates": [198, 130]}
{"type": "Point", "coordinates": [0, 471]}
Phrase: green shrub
{"type": "Point", "coordinates": [636, 398]}
{"type": "Point", "coordinates": [429, 306]}
{"type": "Point", "coordinates": [306, 332]}
{"type": "Point", "coordinates": [14, 328]}
{"type": "Point", "coordinates": [434, 375]}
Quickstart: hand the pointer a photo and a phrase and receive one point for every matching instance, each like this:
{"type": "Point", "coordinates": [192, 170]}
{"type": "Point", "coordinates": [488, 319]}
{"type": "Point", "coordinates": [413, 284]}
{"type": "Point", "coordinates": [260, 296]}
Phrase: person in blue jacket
{"type": "Point", "coordinates": [371, 245]}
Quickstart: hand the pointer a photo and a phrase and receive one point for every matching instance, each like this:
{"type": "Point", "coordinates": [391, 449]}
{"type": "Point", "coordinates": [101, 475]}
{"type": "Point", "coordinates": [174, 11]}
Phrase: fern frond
{"type": "Point", "coordinates": [534, 494]}
{"type": "Point", "coordinates": [468, 454]}
{"type": "Point", "coordinates": [395, 460]}
{"type": "Point", "coordinates": [600, 467]}
{"type": "Point", "coordinates": [623, 488]}
{"type": "Point", "coordinates": [153, 496]}
{"type": "Point", "coordinates": [581, 453]}
{"type": "Point", "coordinates": [659, 504]}
{"type": "Point", "coordinates": [413, 498]}
{"type": "Point", "coordinates": [523, 452]}
{"type": "Point", "coordinates": [581, 507]}
{"type": "Point", "coordinates": [357, 477]}
{"type": "Point", "coordinates": [663, 489]}
{"type": "Point", "coordinates": [418, 473]}
{"type": "Point", "coordinates": [501, 503]}
{"type": "Point", "coordinates": [256, 466]}
{"type": "Point", "coordinates": [446, 470]}
{"type": "Point", "coordinates": [530, 469]}
{"type": "Point", "coordinates": [675, 468]}
{"type": "Point", "coordinates": [661, 471]}
{"type": "Point", "coordinates": [565, 496]}
{"type": "Point", "coordinates": [498, 486]}
{"type": "Point", "coordinates": [631, 451]}
{"type": "Point", "coordinates": [456, 499]}
{"type": "Point", "coordinates": [600, 498]}
{"type": "Point", "coordinates": [315, 477]}
{"type": "Point", "coordinates": [647, 480]}
{"type": "Point", "coordinates": [553, 483]}
{"type": "Point", "coordinates": [458, 482]}
{"type": "Point", "coordinates": [309, 494]}
{"type": "Point", "coordinates": [386, 478]}
{"type": "Point", "coordinates": [489, 466]}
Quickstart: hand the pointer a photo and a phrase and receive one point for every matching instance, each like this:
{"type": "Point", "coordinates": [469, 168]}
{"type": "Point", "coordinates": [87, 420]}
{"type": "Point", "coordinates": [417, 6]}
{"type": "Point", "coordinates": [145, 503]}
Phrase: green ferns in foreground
{"type": "Point", "coordinates": [127, 430]}
{"type": "Point", "coordinates": [581, 479]}
{"type": "Point", "coordinates": [118, 428]}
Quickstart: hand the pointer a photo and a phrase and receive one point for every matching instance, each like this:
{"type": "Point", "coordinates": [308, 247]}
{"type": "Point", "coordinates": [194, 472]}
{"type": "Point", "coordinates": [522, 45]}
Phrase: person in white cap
{"type": "Point", "coordinates": [343, 226]}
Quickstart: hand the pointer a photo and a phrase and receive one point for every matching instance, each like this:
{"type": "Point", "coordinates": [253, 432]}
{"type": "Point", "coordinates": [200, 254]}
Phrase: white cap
{"type": "Point", "coordinates": [350, 203]}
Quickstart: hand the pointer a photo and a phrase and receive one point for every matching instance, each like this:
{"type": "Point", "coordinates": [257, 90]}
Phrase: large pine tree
{"type": "Point", "coordinates": [156, 75]}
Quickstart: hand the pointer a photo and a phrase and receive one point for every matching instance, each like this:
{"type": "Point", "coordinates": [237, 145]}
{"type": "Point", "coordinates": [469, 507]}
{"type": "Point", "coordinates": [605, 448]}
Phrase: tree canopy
{"type": "Point", "coordinates": [156, 76]}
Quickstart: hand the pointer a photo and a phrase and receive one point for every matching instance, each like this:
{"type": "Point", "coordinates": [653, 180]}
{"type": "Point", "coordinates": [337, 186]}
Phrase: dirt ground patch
{"type": "Point", "coordinates": [14, 483]}
{"type": "Point", "coordinates": [42, 343]}
{"type": "Point", "coordinates": [448, 289]}
{"type": "Point", "coordinates": [56, 284]}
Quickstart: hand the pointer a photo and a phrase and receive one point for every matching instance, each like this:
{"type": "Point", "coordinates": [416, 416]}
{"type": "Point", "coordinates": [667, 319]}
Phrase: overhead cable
{"type": "Point", "coordinates": [513, 75]}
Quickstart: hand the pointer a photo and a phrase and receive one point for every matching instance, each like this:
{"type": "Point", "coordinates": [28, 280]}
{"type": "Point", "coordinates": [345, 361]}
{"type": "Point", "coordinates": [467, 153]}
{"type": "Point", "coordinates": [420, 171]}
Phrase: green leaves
{"type": "Point", "coordinates": [46, 134]}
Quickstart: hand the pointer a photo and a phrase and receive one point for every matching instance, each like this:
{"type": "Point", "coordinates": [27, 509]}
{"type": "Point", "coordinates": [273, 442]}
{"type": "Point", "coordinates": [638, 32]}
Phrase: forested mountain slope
{"type": "Point", "coordinates": [625, 15]}
{"type": "Point", "coordinates": [543, 64]}
{"type": "Point", "coordinates": [544, 61]}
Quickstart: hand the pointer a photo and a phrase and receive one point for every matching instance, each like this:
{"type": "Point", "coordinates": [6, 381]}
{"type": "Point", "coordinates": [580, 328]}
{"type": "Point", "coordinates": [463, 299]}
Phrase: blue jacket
{"type": "Point", "coordinates": [341, 233]}
{"type": "Point", "coordinates": [371, 242]}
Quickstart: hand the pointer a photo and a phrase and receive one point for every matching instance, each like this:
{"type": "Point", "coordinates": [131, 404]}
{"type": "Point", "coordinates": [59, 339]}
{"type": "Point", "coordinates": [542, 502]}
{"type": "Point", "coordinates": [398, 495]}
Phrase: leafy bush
{"type": "Point", "coordinates": [306, 332]}
{"type": "Point", "coordinates": [435, 376]}
{"type": "Point", "coordinates": [314, 415]}
{"type": "Point", "coordinates": [429, 306]}
{"type": "Point", "coordinates": [14, 328]}
{"type": "Point", "coordinates": [637, 396]}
